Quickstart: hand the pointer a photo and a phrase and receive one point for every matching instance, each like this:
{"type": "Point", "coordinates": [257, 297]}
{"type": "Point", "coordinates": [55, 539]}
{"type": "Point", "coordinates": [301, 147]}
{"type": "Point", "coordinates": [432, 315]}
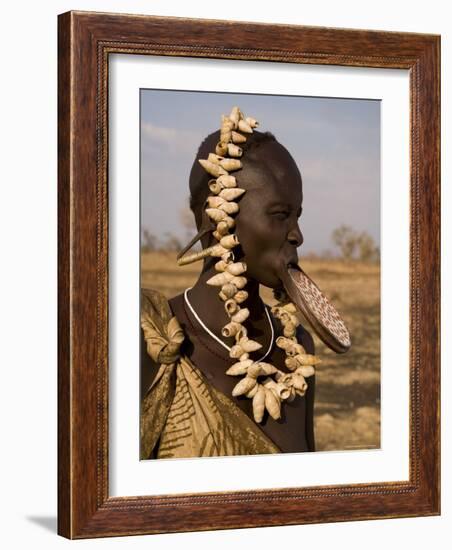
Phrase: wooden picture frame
{"type": "Point", "coordinates": [85, 42]}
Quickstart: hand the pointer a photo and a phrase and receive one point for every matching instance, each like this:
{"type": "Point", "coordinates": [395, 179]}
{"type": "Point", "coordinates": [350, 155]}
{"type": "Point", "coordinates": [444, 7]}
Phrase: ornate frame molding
{"type": "Point", "coordinates": [85, 42]}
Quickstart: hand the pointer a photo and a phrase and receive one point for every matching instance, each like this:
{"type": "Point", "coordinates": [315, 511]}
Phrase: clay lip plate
{"type": "Point", "coordinates": [316, 308]}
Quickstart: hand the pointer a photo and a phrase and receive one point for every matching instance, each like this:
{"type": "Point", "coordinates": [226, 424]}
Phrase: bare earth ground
{"type": "Point", "coordinates": [347, 407]}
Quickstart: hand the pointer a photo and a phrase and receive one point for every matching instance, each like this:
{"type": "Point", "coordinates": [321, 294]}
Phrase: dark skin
{"type": "Point", "coordinates": [268, 232]}
{"type": "Point", "coordinates": [269, 235]}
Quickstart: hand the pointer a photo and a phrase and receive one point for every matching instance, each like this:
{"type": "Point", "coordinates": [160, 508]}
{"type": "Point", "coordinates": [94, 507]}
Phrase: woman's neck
{"type": "Point", "coordinates": [210, 308]}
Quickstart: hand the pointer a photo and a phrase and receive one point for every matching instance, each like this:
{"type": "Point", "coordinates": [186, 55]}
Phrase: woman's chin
{"type": "Point", "coordinates": [273, 282]}
{"type": "Point", "coordinates": [272, 276]}
{"type": "Point", "coordinates": [283, 273]}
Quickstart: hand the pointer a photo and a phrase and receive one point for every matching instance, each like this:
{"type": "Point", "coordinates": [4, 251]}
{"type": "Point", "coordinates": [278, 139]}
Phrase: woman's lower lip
{"type": "Point", "coordinates": [283, 271]}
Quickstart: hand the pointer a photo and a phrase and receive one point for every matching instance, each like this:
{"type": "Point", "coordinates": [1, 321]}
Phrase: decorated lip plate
{"type": "Point", "coordinates": [317, 309]}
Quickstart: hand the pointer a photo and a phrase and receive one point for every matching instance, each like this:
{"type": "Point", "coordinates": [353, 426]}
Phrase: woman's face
{"type": "Point", "coordinates": [267, 224]}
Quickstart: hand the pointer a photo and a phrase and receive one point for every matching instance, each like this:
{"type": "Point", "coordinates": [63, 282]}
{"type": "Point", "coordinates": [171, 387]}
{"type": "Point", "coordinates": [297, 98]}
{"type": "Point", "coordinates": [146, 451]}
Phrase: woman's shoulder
{"type": "Point", "coordinates": [155, 307]}
{"type": "Point", "coordinates": [157, 318]}
{"type": "Point", "coordinates": [155, 299]}
{"type": "Point", "coordinates": [152, 298]}
{"type": "Point", "coordinates": [176, 303]}
{"type": "Point", "coordinates": [161, 330]}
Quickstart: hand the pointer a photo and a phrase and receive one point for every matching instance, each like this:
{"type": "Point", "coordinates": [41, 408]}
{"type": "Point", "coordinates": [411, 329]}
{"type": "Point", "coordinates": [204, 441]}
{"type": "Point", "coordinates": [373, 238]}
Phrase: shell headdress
{"type": "Point", "coordinates": [262, 382]}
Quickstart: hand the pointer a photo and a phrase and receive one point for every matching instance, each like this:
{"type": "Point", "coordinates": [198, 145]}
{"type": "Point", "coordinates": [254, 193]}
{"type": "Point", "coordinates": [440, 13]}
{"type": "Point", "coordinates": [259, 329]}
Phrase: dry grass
{"type": "Point", "coordinates": [347, 409]}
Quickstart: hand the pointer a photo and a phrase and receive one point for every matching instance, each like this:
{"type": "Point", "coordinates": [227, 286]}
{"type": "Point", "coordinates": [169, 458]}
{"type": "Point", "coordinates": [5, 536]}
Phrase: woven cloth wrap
{"type": "Point", "coordinates": [182, 414]}
{"type": "Point", "coordinates": [163, 347]}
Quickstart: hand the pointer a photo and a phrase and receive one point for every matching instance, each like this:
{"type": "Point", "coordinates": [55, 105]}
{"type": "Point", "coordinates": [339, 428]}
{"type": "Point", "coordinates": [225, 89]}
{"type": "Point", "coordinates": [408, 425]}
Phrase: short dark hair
{"type": "Point", "coordinates": [199, 178]}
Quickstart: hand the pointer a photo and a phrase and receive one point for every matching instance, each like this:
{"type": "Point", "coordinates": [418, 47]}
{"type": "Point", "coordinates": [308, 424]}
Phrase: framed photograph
{"type": "Point", "coordinates": [248, 275]}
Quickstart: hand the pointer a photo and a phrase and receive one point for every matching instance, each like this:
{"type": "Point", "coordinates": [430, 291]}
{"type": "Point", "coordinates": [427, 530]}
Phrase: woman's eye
{"type": "Point", "coordinates": [280, 215]}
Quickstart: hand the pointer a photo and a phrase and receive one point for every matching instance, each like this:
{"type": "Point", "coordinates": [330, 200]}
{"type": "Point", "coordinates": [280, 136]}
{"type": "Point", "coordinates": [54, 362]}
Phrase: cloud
{"type": "Point", "coordinates": [159, 138]}
{"type": "Point", "coordinates": [335, 143]}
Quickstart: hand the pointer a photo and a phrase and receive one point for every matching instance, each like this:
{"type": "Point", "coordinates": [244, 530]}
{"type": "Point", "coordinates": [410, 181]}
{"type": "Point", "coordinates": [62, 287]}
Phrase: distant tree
{"type": "Point", "coordinates": [326, 254]}
{"type": "Point", "coordinates": [148, 241]}
{"type": "Point", "coordinates": [346, 239]}
{"type": "Point", "coordinates": [367, 250]}
{"type": "Point", "coordinates": [355, 245]}
{"type": "Point", "coordinates": [171, 243]}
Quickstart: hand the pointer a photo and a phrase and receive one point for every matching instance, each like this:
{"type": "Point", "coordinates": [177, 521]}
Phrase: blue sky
{"type": "Point", "coordinates": [335, 143]}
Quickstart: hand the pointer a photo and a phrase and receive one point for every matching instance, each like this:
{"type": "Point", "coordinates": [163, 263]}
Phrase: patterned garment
{"type": "Point", "coordinates": [182, 414]}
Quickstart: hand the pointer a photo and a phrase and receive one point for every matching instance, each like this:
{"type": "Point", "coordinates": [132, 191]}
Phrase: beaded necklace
{"type": "Point", "coordinates": [215, 337]}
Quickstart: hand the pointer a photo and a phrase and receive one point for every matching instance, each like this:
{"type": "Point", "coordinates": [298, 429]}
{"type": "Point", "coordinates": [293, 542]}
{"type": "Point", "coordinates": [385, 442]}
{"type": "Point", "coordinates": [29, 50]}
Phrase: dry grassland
{"type": "Point", "coordinates": [347, 407]}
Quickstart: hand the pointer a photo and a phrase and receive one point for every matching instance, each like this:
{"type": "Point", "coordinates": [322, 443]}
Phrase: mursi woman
{"type": "Point", "coordinates": [223, 373]}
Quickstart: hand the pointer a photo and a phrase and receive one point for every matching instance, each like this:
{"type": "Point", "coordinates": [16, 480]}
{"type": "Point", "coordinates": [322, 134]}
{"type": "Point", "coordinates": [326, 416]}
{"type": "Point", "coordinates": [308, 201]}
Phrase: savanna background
{"type": "Point", "coordinates": [336, 144]}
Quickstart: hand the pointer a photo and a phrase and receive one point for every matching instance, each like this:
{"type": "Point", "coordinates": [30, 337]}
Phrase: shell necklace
{"type": "Point", "coordinates": [262, 382]}
{"type": "Point", "coordinates": [215, 337]}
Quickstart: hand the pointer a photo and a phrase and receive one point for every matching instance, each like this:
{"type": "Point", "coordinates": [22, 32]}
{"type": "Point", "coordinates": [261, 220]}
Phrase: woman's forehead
{"type": "Point", "coordinates": [272, 173]}
{"type": "Point", "coordinates": [269, 193]}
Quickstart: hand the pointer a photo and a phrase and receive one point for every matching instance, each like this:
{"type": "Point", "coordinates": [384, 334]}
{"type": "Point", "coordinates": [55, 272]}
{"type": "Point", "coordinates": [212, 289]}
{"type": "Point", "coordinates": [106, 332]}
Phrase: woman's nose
{"type": "Point", "coordinates": [295, 236]}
